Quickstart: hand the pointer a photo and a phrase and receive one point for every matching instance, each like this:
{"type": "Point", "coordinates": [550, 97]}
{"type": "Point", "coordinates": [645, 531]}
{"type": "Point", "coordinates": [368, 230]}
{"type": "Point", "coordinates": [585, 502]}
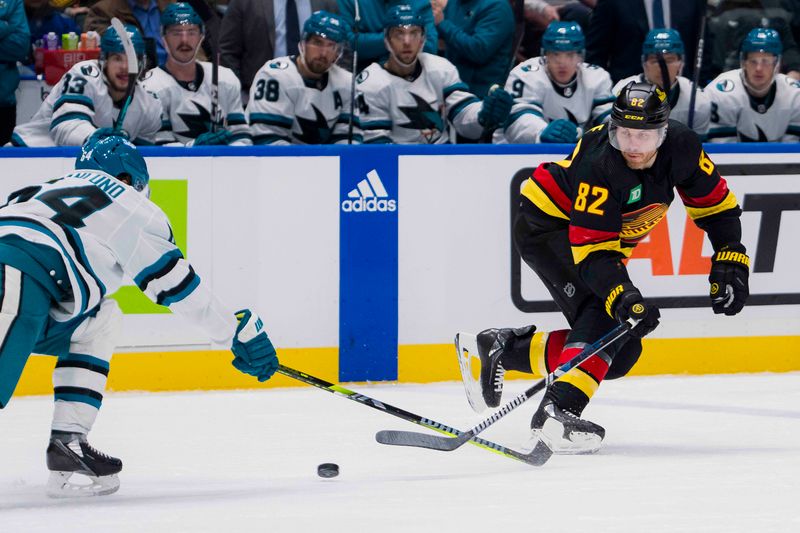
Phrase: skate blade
{"type": "Point", "coordinates": [61, 485]}
{"type": "Point", "coordinates": [552, 434]}
{"type": "Point", "coordinates": [469, 362]}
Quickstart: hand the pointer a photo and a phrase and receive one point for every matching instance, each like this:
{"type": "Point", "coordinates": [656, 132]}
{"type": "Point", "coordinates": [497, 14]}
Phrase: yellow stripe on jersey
{"type": "Point", "coordinates": [729, 202]}
{"type": "Point", "coordinates": [536, 194]}
{"type": "Point", "coordinates": [581, 381]}
{"type": "Point", "coordinates": [567, 162]}
{"type": "Point", "coordinates": [579, 253]}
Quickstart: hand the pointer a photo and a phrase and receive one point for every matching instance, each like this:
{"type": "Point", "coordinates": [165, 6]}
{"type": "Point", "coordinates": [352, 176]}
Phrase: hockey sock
{"type": "Point", "coordinates": [573, 390]}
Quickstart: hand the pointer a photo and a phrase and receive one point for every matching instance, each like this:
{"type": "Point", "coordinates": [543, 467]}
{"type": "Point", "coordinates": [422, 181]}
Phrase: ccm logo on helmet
{"type": "Point", "coordinates": [633, 117]}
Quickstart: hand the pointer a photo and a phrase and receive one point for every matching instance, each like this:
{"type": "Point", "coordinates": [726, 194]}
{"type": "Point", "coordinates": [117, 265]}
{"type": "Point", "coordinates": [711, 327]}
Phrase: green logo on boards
{"type": "Point", "coordinates": [636, 194]}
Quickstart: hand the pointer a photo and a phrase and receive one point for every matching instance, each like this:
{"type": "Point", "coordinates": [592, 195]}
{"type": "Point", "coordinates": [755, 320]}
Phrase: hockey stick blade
{"type": "Point", "coordinates": [530, 458]}
{"type": "Point", "coordinates": [133, 70]}
{"type": "Point", "coordinates": [448, 444]}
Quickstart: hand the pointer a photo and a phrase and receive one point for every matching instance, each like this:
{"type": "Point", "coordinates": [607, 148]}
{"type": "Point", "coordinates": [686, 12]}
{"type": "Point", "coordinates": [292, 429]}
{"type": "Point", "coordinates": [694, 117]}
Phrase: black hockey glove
{"type": "Point", "coordinates": [730, 269]}
{"type": "Point", "coordinates": [625, 302]}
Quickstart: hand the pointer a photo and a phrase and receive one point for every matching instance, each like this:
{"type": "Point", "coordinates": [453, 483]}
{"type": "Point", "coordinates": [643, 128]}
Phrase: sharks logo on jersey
{"type": "Point", "coordinates": [286, 109]}
{"type": "Point", "coordinates": [735, 115]}
{"type": "Point", "coordinates": [418, 109]}
{"type": "Point", "coordinates": [538, 101]}
{"type": "Point", "coordinates": [187, 106]}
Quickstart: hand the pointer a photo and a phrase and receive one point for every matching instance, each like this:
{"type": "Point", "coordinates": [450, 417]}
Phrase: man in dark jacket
{"type": "Point", "coordinates": [15, 42]}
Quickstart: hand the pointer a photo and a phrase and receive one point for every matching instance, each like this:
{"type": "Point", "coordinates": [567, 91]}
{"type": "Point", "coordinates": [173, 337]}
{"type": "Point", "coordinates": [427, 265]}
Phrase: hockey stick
{"type": "Point", "coordinates": [213, 24]}
{"type": "Point", "coordinates": [448, 444]}
{"type": "Point", "coordinates": [356, 21]}
{"type": "Point", "coordinates": [133, 71]}
{"type": "Point", "coordinates": [537, 457]}
{"type": "Point", "coordinates": [698, 64]}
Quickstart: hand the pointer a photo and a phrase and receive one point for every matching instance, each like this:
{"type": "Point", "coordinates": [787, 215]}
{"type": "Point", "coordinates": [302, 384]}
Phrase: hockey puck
{"type": "Point", "coordinates": [328, 470]}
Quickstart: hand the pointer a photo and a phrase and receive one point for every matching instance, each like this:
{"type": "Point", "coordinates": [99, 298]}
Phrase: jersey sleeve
{"type": "Point", "coordinates": [793, 129]}
{"type": "Point", "coordinates": [231, 102]}
{"type": "Point", "coordinates": [724, 113]}
{"type": "Point", "coordinates": [374, 102]}
{"type": "Point", "coordinates": [146, 117]}
{"type": "Point", "coordinates": [74, 110]}
{"type": "Point", "coordinates": [270, 111]}
{"type": "Point", "coordinates": [461, 106]}
{"type": "Point", "coordinates": [526, 120]}
{"type": "Point", "coordinates": [705, 194]}
{"type": "Point", "coordinates": [602, 97]}
{"type": "Point", "coordinates": [159, 269]}
{"type": "Point", "coordinates": [702, 114]}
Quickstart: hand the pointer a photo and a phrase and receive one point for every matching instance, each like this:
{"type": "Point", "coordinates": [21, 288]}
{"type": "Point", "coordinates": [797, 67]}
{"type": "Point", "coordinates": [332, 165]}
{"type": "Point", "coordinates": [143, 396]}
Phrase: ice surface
{"type": "Point", "coordinates": [694, 454]}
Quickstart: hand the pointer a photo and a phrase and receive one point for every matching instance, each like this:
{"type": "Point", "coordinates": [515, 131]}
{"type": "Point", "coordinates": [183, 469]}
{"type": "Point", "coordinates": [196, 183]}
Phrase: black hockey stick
{"type": "Point", "coordinates": [537, 457]}
{"type": "Point", "coordinates": [133, 71]}
{"type": "Point", "coordinates": [698, 64]}
{"type": "Point", "coordinates": [356, 21]}
{"type": "Point", "coordinates": [448, 444]}
{"type": "Point", "coordinates": [213, 26]}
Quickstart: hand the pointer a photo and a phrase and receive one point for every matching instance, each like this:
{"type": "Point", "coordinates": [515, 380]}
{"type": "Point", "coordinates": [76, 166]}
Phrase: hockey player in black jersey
{"type": "Point", "coordinates": [578, 219]}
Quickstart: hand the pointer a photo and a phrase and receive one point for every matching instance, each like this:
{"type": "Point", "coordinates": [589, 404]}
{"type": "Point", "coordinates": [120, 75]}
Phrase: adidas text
{"type": "Point", "coordinates": [370, 205]}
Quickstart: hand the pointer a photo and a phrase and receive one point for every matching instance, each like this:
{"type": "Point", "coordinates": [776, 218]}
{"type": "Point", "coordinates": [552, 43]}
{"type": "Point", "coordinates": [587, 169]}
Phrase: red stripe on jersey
{"type": "Point", "coordinates": [579, 236]}
{"type": "Point", "coordinates": [548, 184]}
{"type": "Point", "coordinates": [713, 198]}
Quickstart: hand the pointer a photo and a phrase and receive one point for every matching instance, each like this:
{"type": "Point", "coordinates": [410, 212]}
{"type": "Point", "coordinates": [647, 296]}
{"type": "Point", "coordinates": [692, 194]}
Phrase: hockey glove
{"type": "Point", "coordinates": [625, 302]}
{"type": "Point", "coordinates": [559, 131]}
{"type": "Point", "coordinates": [730, 268]}
{"type": "Point", "coordinates": [216, 138]}
{"type": "Point", "coordinates": [254, 352]}
{"type": "Point", "coordinates": [495, 109]}
{"type": "Point", "coordinates": [102, 133]}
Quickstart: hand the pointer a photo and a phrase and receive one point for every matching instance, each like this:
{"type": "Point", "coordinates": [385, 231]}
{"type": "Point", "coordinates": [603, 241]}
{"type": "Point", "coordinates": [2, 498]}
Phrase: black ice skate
{"type": "Point", "coordinates": [70, 453]}
{"type": "Point", "coordinates": [480, 356]}
{"type": "Point", "coordinates": [564, 432]}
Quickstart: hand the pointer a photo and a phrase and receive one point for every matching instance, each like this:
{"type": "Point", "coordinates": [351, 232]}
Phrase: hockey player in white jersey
{"type": "Point", "coordinates": [415, 96]}
{"type": "Point", "coordinates": [305, 99]}
{"type": "Point", "coordinates": [755, 103]}
{"type": "Point", "coordinates": [556, 96]}
{"type": "Point", "coordinates": [65, 246]}
{"type": "Point", "coordinates": [184, 88]}
{"type": "Point", "coordinates": [89, 97]}
{"type": "Point", "coordinates": [667, 43]}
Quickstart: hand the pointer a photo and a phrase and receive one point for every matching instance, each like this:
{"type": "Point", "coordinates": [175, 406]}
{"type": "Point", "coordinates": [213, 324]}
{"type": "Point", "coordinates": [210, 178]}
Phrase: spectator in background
{"type": "Point", "coordinates": [415, 96]}
{"type": "Point", "coordinates": [86, 102]}
{"type": "Point", "coordinates": [44, 18]}
{"type": "Point", "coordinates": [668, 44]}
{"type": "Point", "coordinates": [371, 47]}
{"type": "Point", "coordinates": [183, 86]}
{"type": "Point", "coordinates": [538, 14]}
{"type": "Point", "coordinates": [756, 103]}
{"type": "Point", "coordinates": [15, 44]}
{"type": "Point", "coordinates": [477, 36]}
{"type": "Point", "coordinates": [144, 14]}
{"type": "Point", "coordinates": [556, 96]}
{"type": "Point", "coordinates": [255, 31]}
{"type": "Point", "coordinates": [617, 29]}
{"type": "Point", "coordinates": [733, 19]}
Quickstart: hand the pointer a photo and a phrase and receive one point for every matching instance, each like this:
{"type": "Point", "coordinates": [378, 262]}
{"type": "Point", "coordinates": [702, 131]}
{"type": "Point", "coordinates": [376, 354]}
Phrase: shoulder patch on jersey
{"type": "Point", "coordinates": [725, 86]}
{"type": "Point", "coordinates": [529, 67]}
{"type": "Point", "coordinates": [362, 76]}
{"type": "Point", "coordinates": [792, 82]}
{"type": "Point", "coordinates": [279, 65]}
{"type": "Point", "coordinates": [90, 70]}
{"type": "Point", "coordinates": [147, 75]}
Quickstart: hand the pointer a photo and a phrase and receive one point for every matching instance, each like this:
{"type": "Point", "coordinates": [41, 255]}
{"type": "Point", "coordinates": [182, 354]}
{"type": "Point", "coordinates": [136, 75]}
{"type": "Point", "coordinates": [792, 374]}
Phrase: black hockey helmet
{"type": "Point", "coordinates": [642, 106]}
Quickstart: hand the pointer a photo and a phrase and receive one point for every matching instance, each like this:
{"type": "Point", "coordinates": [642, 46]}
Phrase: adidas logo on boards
{"type": "Point", "coordinates": [369, 196]}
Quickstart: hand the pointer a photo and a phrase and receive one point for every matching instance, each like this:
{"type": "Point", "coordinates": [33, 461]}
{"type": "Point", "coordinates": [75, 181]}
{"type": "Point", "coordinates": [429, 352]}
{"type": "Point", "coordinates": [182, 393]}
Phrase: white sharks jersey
{"type": "Point", "coordinates": [284, 108]}
{"type": "Point", "coordinates": [586, 102]}
{"type": "Point", "coordinates": [679, 99]}
{"type": "Point", "coordinates": [735, 115]}
{"type": "Point", "coordinates": [187, 106]}
{"type": "Point", "coordinates": [417, 109]}
{"type": "Point", "coordinates": [79, 104]}
{"type": "Point", "coordinates": [104, 230]}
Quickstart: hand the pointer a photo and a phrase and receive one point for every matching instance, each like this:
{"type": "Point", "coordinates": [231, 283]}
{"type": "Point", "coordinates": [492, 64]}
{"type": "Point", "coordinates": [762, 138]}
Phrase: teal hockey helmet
{"type": "Point", "coordinates": [762, 40]}
{"type": "Point", "coordinates": [116, 156]}
{"type": "Point", "coordinates": [402, 15]}
{"type": "Point", "coordinates": [662, 41]}
{"type": "Point", "coordinates": [180, 14]}
{"type": "Point", "coordinates": [111, 43]}
{"type": "Point", "coordinates": [326, 25]}
{"type": "Point", "coordinates": [563, 37]}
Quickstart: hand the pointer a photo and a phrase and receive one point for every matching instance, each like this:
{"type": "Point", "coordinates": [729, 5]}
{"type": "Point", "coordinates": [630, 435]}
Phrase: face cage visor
{"type": "Point", "coordinates": [635, 140]}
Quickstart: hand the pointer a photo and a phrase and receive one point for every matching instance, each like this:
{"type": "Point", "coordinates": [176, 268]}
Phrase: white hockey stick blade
{"type": "Point", "coordinates": [127, 45]}
{"type": "Point", "coordinates": [469, 362]}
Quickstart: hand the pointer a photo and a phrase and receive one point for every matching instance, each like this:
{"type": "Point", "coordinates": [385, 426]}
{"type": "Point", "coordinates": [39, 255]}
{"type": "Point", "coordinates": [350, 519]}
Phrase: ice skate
{"type": "Point", "coordinates": [69, 454]}
{"type": "Point", "coordinates": [479, 358]}
{"type": "Point", "coordinates": [564, 432]}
